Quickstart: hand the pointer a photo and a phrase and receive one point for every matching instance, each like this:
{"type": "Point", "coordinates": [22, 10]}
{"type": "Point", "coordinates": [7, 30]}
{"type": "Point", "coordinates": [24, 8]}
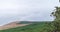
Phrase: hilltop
{"type": "Point", "coordinates": [12, 25]}
{"type": "Point", "coordinates": [35, 27]}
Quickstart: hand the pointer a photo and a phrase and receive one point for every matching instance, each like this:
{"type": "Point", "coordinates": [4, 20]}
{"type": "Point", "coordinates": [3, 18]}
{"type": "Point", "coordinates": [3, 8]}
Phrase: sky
{"type": "Point", "coordinates": [26, 10]}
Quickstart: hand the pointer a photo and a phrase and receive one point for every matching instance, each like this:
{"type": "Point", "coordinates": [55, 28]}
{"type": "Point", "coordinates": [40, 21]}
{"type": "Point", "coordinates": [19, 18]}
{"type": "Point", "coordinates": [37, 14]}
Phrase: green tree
{"type": "Point", "coordinates": [56, 22]}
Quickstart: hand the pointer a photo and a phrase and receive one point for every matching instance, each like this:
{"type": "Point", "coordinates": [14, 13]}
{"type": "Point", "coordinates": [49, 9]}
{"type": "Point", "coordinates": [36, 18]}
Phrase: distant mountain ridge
{"type": "Point", "coordinates": [17, 24]}
{"type": "Point", "coordinates": [36, 27]}
{"type": "Point", "coordinates": [12, 25]}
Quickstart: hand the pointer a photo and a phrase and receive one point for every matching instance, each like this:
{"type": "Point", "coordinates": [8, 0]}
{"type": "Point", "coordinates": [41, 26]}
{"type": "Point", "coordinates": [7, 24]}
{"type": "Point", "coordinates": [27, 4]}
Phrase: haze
{"type": "Point", "coordinates": [26, 10]}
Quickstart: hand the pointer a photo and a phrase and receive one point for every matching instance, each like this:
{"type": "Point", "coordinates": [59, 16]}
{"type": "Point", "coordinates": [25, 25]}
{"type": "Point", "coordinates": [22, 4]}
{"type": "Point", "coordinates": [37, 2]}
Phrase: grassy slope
{"type": "Point", "coordinates": [37, 27]}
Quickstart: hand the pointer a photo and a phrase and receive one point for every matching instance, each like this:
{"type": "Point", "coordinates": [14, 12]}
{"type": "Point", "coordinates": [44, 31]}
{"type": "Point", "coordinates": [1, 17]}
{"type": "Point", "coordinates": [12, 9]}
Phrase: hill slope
{"type": "Point", "coordinates": [12, 25]}
{"type": "Point", "coordinates": [36, 27]}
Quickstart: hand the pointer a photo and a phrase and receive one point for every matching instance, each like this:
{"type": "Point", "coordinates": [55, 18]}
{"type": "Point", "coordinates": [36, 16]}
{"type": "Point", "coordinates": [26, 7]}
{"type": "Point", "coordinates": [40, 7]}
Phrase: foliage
{"type": "Point", "coordinates": [56, 22]}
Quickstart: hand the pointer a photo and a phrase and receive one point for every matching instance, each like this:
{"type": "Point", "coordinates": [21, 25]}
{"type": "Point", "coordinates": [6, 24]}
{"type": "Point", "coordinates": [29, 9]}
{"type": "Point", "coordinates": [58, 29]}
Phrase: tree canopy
{"type": "Point", "coordinates": [56, 22]}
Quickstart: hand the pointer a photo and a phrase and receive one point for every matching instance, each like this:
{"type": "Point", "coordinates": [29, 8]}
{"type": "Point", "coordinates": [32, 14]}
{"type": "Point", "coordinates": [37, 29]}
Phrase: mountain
{"type": "Point", "coordinates": [12, 25]}
{"type": "Point", "coordinates": [36, 27]}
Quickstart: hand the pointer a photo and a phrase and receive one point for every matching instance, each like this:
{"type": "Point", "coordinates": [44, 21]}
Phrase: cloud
{"type": "Point", "coordinates": [11, 10]}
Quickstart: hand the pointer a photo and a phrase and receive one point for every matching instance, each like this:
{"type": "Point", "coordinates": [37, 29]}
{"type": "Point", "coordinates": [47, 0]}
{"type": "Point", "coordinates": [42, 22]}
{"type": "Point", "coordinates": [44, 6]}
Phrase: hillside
{"type": "Point", "coordinates": [35, 27]}
{"type": "Point", "coordinates": [12, 25]}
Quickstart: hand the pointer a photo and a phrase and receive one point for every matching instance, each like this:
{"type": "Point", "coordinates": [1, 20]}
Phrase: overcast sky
{"type": "Point", "coordinates": [26, 10]}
